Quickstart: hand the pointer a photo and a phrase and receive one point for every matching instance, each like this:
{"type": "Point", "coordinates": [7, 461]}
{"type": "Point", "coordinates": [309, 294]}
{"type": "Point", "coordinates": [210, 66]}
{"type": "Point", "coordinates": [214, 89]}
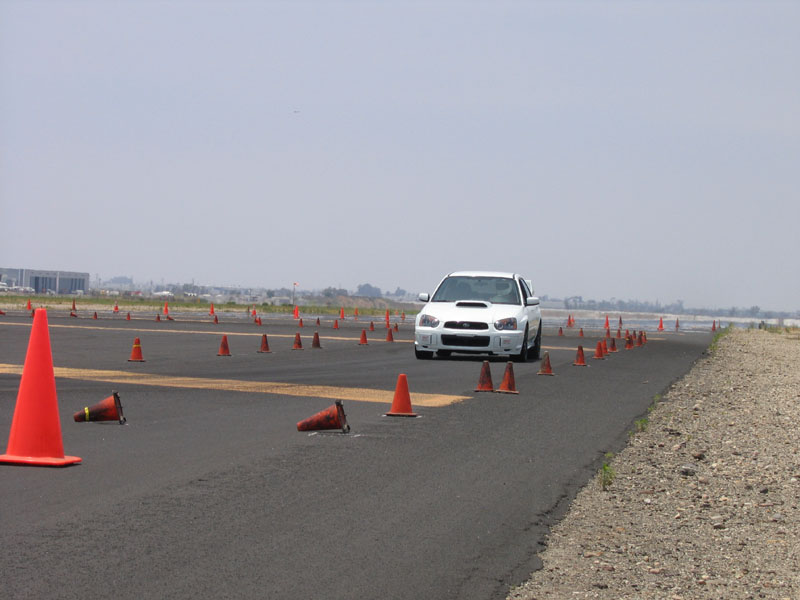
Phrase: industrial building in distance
{"type": "Point", "coordinates": [43, 282]}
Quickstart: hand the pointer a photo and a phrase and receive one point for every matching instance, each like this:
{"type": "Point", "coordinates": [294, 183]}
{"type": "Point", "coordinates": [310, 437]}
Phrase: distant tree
{"type": "Point", "coordinates": [368, 291]}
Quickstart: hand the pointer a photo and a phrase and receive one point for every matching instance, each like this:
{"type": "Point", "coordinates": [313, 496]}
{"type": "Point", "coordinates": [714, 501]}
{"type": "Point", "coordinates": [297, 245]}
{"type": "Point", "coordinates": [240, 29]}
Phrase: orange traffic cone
{"type": "Point", "coordinates": [580, 359]}
{"type": "Point", "coordinates": [371, 326]}
{"type": "Point", "coordinates": [211, 310]}
{"type": "Point", "coordinates": [485, 380]}
{"type": "Point", "coordinates": [136, 351]}
{"type": "Point", "coordinates": [546, 368]}
{"type": "Point", "coordinates": [560, 331]}
{"type": "Point", "coordinates": [661, 323]}
{"type": "Point", "coordinates": [598, 352]}
{"type": "Point", "coordinates": [363, 341]}
{"type": "Point", "coordinates": [401, 402]}
{"type": "Point", "coordinates": [613, 347]}
{"type": "Point", "coordinates": [315, 342]}
{"type": "Point", "coordinates": [35, 437]}
{"type": "Point", "coordinates": [389, 336]}
{"type": "Point", "coordinates": [330, 418]}
{"type": "Point", "coordinates": [336, 323]}
{"type": "Point", "coordinates": [508, 385]}
{"type": "Point", "coordinates": [224, 350]}
{"type": "Point", "coordinates": [298, 344]}
{"type": "Point", "coordinates": [264, 344]}
{"type": "Point", "coordinates": [109, 409]}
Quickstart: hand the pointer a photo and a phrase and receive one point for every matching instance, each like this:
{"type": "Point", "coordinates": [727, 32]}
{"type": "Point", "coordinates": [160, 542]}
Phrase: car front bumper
{"type": "Point", "coordinates": [489, 342]}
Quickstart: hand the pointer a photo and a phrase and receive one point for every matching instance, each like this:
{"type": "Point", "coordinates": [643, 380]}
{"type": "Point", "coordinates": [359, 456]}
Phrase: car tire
{"type": "Point", "coordinates": [443, 353]}
{"type": "Point", "coordinates": [523, 353]}
{"type": "Point", "coordinates": [423, 354]}
{"type": "Point", "coordinates": [536, 352]}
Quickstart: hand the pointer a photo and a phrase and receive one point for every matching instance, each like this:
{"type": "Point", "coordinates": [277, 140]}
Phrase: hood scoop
{"type": "Point", "coordinates": [472, 304]}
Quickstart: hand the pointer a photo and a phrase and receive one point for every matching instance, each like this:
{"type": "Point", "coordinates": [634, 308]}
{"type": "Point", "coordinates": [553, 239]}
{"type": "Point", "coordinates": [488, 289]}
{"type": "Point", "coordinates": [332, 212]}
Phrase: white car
{"type": "Point", "coordinates": [480, 312]}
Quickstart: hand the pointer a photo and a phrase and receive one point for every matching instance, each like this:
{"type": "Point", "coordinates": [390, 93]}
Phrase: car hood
{"type": "Point", "coordinates": [465, 310]}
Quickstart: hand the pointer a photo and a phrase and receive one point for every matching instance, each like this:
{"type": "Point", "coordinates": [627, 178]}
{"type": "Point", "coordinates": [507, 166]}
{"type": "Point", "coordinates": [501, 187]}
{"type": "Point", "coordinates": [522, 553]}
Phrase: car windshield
{"type": "Point", "coordinates": [497, 290]}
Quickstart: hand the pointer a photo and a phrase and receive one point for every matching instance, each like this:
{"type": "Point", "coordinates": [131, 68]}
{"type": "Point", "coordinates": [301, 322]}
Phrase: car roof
{"type": "Point", "coordinates": [482, 274]}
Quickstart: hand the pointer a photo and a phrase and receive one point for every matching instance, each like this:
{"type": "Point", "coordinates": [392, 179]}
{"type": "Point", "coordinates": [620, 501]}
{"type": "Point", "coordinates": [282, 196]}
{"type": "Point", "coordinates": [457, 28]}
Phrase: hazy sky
{"type": "Point", "coordinates": [607, 149]}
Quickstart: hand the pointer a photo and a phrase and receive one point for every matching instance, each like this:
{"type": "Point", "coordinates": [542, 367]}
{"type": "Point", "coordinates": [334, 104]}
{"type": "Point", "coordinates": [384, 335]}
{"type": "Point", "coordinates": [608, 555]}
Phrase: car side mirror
{"type": "Point", "coordinates": [423, 297]}
{"type": "Point", "coordinates": [532, 301]}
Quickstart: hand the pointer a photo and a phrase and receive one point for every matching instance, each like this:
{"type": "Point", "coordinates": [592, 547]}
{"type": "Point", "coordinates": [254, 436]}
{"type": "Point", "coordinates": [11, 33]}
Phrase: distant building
{"type": "Point", "coordinates": [60, 282]}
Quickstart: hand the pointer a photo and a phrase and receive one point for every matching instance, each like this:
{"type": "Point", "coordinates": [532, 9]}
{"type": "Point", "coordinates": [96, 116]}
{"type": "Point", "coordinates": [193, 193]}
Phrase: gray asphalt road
{"type": "Point", "coordinates": [212, 493]}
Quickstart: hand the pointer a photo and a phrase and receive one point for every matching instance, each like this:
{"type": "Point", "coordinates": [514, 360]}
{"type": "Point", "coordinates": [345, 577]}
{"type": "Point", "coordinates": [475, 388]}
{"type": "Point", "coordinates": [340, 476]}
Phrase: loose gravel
{"type": "Point", "coordinates": [704, 498]}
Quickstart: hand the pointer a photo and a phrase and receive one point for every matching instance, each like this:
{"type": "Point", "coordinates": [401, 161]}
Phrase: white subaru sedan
{"type": "Point", "coordinates": [480, 312]}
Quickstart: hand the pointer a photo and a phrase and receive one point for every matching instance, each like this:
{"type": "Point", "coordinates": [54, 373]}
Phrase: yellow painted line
{"type": "Point", "coordinates": [233, 385]}
{"type": "Point", "coordinates": [301, 331]}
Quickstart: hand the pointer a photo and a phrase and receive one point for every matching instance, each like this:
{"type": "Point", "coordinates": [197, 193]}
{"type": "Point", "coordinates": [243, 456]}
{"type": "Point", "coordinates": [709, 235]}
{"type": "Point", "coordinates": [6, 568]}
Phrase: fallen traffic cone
{"type": "Point", "coordinates": [224, 350]}
{"type": "Point", "coordinates": [613, 347]}
{"type": "Point", "coordinates": [371, 326]}
{"type": "Point", "coordinates": [330, 418]}
{"type": "Point", "coordinates": [560, 331]}
{"type": "Point", "coordinates": [315, 342]}
{"type": "Point", "coordinates": [546, 368]}
{"type": "Point", "coordinates": [298, 344]}
{"type": "Point", "coordinates": [264, 344]}
{"type": "Point", "coordinates": [485, 380]}
{"type": "Point", "coordinates": [508, 385]}
{"type": "Point", "coordinates": [598, 352]}
{"type": "Point", "coordinates": [580, 359]}
{"type": "Point", "coordinates": [401, 402]}
{"type": "Point", "coordinates": [35, 437]}
{"type": "Point", "coordinates": [109, 409]}
{"type": "Point", "coordinates": [336, 323]}
{"type": "Point", "coordinates": [211, 310]}
{"type": "Point", "coordinates": [363, 341]}
{"type": "Point", "coordinates": [661, 323]}
{"type": "Point", "coordinates": [136, 351]}
{"type": "Point", "coordinates": [389, 336]}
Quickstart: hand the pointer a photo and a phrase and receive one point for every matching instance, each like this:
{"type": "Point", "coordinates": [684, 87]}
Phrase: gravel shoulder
{"type": "Point", "coordinates": [704, 500]}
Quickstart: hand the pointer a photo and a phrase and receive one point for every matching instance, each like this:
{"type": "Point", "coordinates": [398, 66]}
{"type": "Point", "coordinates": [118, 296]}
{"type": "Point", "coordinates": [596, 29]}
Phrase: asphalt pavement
{"type": "Point", "coordinates": [209, 491]}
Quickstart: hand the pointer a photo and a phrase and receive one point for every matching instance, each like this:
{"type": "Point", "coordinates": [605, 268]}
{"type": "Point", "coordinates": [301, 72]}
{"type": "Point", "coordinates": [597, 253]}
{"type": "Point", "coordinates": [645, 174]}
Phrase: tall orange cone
{"type": "Point", "coordinates": [363, 341]}
{"type": "Point", "coordinates": [35, 437]}
{"type": "Point", "coordinates": [661, 323]}
{"type": "Point", "coordinates": [136, 351]}
{"type": "Point", "coordinates": [224, 350]}
{"type": "Point", "coordinates": [298, 344]}
{"type": "Point", "coordinates": [580, 359]}
{"type": "Point", "coordinates": [109, 409]}
{"type": "Point", "coordinates": [211, 310]}
{"type": "Point", "coordinates": [315, 342]}
{"type": "Point", "coordinates": [264, 344]}
{"type": "Point", "coordinates": [401, 402]}
{"type": "Point", "coordinates": [546, 369]}
{"type": "Point", "coordinates": [332, 417]}
{"type": "Point", "coordinates": [485, 379]}
{"type": "Point", "coordinates": [598, 352]}
{"type": "Point", "coordinates": [389, 336]}
{"type": "Point", "coordinates": [509, 384]}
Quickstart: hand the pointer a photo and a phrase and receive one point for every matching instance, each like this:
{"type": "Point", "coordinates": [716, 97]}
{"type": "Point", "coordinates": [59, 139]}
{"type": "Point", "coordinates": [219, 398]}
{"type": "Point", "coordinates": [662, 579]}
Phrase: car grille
{"type": "Point", "coordinates": [473, 325]}
{"type": "Point", "coordinates": [473, 341]}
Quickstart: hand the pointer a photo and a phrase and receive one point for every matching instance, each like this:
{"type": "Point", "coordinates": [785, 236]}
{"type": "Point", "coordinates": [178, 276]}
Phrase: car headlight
{"type": "Point", "coordinates": [503, 324]}
{"type": "Point", "coordinates": [428, 321]}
